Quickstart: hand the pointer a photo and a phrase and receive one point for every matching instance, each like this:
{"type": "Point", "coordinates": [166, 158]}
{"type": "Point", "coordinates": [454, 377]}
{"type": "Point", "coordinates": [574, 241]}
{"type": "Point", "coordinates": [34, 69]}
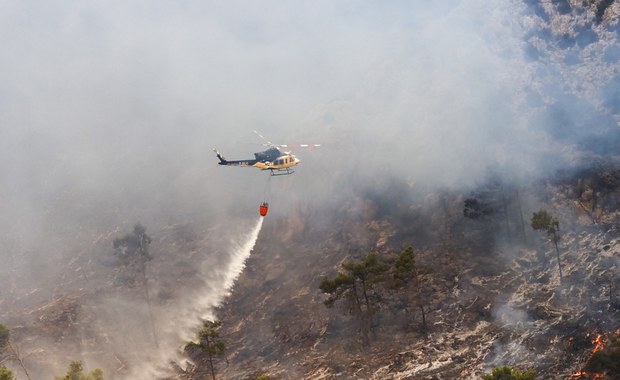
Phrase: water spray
{"type": "Point", "coordinates": [200, 307]}
{"type": "Point", "coordinates": [238, 257]}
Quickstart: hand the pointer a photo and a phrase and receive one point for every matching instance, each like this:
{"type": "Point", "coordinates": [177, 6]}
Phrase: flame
{"type": "Point", "coordinates": [599, 344]}
{"type": "Point", "coordinates": [587, 375]}
{"type": "Point", "coordinates": [578, 374]}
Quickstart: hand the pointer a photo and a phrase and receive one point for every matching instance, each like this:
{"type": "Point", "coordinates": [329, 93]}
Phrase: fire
{"type": "Point", "coordinates": [599, 344]}
{"type": "Point", "coordinates": [587, 375]}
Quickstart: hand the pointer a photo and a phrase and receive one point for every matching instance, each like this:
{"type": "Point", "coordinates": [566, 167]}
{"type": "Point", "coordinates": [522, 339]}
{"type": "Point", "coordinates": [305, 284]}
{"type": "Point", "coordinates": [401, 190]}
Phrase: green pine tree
{"type": "Point", "coordinates": [5, 373]}
{"type": "Point", "coordinates": [405, 271]}
{"type": "Point", "coordinates": [76, 372]}
{"type": "Point", "coordinates": [209, 345]}
{"type": "Point", "coordinates": [356, 282]}
{"type": "Point", "coordinates": [544, 221]}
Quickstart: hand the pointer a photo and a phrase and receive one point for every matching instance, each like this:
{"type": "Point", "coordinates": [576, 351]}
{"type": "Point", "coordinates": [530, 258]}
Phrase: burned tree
{"type": "Point", "coordinates": [208, 348]}
{"type": "Point", "coordinates": [8, 351]}
{"type": "Point", "coordinates": [133, 253]}
{"type": "Point", "coordinates": [475, 208]}
{"type": "Point", "coordinates": [544, 221]}
{"type": "Point", "coordinates": [498, 202]}
{"type": "Point", "coordinates": [133, 245]}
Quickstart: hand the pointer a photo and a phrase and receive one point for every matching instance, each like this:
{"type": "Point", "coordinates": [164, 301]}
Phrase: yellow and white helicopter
{"type": "Point", "coordinates": [277, 161]}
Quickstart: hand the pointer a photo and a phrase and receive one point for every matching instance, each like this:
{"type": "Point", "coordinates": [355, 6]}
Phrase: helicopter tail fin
{"type": "Point", "coordinates": [222, 159]}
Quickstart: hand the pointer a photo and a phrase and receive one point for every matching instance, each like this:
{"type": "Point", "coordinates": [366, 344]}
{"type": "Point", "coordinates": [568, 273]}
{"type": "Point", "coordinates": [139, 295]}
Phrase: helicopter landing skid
{"type": "Point", "coordinates": [288, 172]}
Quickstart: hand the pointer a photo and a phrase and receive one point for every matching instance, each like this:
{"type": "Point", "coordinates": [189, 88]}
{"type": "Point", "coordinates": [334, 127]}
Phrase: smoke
{"type": "Point", "coordinates": [109, 113]}
{"type": "Point", "coordinates": [506, 315]}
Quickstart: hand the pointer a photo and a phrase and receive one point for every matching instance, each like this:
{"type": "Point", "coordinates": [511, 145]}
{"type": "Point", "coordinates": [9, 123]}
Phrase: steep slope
{"type": "Point", "coordinates": [491, 298]}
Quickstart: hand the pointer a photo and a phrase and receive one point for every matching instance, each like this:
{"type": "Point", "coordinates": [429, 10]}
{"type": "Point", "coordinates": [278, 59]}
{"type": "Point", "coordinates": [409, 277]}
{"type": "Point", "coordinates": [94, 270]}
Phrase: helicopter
{"type": "Point", "coordinates": [272, 159]}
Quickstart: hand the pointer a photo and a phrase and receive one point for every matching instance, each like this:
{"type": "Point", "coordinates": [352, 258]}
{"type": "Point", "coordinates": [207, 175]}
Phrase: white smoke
{"type": "Point", "coordinates": [109, 112]}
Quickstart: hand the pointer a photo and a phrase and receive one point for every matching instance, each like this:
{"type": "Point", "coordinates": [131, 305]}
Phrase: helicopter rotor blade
{"type": "Point", "coordinates": [299, 145]}
{"type": "Point", "coordinates": [269, 143]}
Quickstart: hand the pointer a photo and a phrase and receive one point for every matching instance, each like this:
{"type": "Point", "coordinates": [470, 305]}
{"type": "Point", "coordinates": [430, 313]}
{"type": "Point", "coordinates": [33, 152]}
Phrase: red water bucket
{"type": "Point", "coordinates": [264, 207]}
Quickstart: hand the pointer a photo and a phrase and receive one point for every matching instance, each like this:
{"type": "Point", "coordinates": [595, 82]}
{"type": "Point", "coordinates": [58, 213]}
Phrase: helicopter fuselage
{"type": "Point", "coordinates": [271, 159]}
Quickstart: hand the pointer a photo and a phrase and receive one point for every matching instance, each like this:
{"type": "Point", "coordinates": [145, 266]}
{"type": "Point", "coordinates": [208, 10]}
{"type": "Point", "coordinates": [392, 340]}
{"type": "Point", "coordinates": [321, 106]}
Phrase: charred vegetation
{"type": "Point", "coordinates": [490, 280]}
{"type": "Point", "coordinates": [454, 280]}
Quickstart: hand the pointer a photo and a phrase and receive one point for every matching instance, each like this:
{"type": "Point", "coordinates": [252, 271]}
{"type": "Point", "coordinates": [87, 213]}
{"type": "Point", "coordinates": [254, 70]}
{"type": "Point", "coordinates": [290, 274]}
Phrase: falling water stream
{"type": "Point", "coordinates": [185, 323]}
{"type": "Point", "coordinates": [238, 257]}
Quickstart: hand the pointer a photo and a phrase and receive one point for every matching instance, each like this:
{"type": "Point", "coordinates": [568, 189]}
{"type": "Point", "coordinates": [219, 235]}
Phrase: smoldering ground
{"type": "Point", "coordinates": [109, 113]}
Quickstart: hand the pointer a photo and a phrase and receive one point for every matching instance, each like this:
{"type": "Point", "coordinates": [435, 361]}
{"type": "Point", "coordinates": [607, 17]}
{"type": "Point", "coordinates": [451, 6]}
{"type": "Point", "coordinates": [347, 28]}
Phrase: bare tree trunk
{"type": "Point", "coordinates": [418, 285]}
{"type": "Point", "coordinates": [148, 301]}
{"type": "Point", "coordinates": [17, 357]}
{"type": "Point", "coordinates": [365, 295]}
{"type": "Point", "coordinates": [360, 314]}
{"type": "Point", "coordinates": [557, 251]}
{"type": "Point", "coordinates": [505, 206]}
{"type": "Point", "coordinates": [211, 365]}
{"type": "Point", "coordinates": [423, 319]}
{"type": "Point", "coordinates": [356, 298]}
{"type": "Point", "coordinates": [611, 292]}
{"type": "Point", "coordinates": [521, 216]}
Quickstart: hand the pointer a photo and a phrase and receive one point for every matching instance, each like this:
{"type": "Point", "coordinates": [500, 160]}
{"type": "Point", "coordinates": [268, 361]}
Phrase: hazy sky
{"type": "Point", "coordinates": [89, 88]}
{"type": "Point", "coordinates": [95, 94]}
{"type": "Point", "coordinates": [109, 110]}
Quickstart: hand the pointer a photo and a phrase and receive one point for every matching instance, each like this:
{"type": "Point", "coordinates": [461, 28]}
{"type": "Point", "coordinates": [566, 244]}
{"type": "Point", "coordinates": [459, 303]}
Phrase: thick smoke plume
{"type": "Point", "coordinates": [109, 112]}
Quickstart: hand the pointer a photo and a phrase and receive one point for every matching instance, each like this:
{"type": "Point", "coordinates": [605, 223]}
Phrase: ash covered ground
{"type": "Point", "coordinates": [493, 296]}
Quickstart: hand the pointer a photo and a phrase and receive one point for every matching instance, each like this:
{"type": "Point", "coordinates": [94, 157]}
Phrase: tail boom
{"type": "Point", "coordinates": [224, 161]}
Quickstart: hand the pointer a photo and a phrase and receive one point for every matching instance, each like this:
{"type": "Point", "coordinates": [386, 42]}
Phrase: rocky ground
{"type": "Point", "coordinates": [492, 294]}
